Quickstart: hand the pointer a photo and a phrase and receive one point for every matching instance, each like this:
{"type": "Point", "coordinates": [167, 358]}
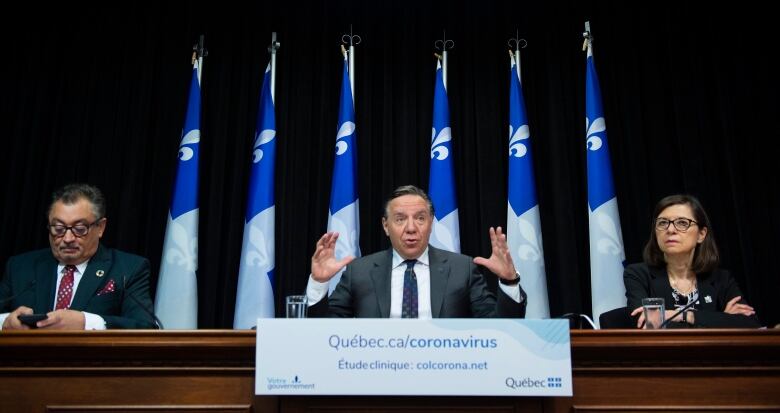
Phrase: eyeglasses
{"type": "Point", "coordinates": [78, 230]}
{"type": "Point", "coordinates": [682, 224]}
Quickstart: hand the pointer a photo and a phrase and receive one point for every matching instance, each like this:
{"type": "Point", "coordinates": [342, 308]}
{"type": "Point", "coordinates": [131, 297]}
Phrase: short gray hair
{"type": "Point", "coordinates": [72, 193]}
{"type": "Point", "coordinates": [407, 190]}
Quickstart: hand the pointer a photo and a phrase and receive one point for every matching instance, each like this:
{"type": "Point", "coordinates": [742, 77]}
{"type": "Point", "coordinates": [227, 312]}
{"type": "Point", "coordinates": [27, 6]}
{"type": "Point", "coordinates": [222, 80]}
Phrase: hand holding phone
{"type": "Point", "coordinates": [30, 320]}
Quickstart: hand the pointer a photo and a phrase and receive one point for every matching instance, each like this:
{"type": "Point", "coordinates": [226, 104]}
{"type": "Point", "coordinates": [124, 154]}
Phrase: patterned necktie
{"type": "Point", "coordinates": [65, 292]}
{"type": "Point", "coordinates": [409, 304]}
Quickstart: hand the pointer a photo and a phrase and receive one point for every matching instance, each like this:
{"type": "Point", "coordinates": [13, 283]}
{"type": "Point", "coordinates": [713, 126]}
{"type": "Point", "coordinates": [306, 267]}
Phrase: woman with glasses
{"type": "Point", "coordinates": [681, 266]}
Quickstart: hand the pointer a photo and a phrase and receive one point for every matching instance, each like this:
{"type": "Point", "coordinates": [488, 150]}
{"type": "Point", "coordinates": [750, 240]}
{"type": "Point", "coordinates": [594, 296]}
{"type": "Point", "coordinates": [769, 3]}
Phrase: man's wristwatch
{"type": "Point", "coordinates": [510, 282]}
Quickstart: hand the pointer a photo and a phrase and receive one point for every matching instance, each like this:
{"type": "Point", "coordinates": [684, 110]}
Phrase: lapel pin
{"type": "Point", "coordinates": [707, 299]}
{"type": "Point", "coordinates": [99, 273]}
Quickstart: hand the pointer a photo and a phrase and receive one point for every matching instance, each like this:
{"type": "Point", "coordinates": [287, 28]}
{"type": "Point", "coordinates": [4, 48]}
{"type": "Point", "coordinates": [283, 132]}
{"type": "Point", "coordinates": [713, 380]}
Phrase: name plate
{"type": "Point", "coordinates": [454, 357]}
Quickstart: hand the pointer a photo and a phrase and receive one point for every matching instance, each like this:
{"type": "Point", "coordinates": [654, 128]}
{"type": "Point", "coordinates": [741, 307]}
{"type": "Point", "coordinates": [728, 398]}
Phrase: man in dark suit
{"type": "Point", "coordinates": [413, 279]}
{"type": "Point", "coordinates": [78, 283]}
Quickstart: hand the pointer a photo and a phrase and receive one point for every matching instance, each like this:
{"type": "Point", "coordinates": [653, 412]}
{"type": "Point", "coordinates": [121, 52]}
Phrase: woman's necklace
{"type": "Point", "coordinates": [680, 290]}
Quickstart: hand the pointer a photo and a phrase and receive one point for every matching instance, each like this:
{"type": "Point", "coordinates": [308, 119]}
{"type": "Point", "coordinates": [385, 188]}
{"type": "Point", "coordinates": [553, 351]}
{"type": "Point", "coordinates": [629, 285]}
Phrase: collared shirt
{"type": "Point", "coordinates": [91, 321]}
{"type": "Point", "coordinates": [422, 270]}
{"type": "Point", "coordinates": [316, 291]}
{"type": "Point", "coordinates": [80, 268]}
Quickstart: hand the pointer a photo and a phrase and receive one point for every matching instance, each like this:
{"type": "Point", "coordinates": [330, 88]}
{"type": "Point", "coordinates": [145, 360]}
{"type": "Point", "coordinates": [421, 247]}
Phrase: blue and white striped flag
{"type": "Point", "coordinates": [606, 239]}
{"type": "Point", "coordinates": [256, 281]}
{"type": "Point", "coordinates": [176, 303]}
{"type": "Point", "coordinates": [441, 186]}
{"type": "Point", "coordinates": [523, 225]}
{"type": "Point", "coordinates": [343, 215]}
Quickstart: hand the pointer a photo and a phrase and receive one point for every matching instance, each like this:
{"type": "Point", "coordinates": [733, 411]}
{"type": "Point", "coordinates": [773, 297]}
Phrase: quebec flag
{"type": "Point", "coordinates": [441, 186]}
{"type": "Point", "coordinates": [606, 239]}
{"type": "Point", "coordinates": [523, 225]}
{"type": "Point", "coordinates": [256, 281]}
{"type": "Point", "coordinates": [176, 303]}
{"type": "Point", "coordinates": [343, 215]}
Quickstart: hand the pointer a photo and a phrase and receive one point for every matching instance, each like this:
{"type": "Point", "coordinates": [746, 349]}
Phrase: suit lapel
{"type": "Point", "coordinates": [45, 281]}
{"type": "Point", "coordinates": [99, 264]}
{"type": "Point", "coordinates": [380, 276]}
{"type": "Point", "coordinates": [660, 285]}
{"type": "Point", "coordinates": [440, 272]}
{"type": "Point", "coordinates": [707, 298]}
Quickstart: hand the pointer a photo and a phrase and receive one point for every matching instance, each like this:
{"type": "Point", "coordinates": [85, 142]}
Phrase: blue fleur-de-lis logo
{"type": "Point", "coordinates": [261, 139]}
{"type": "Point", "coordinates": [593, 142]}
{"type": "Point", "coordinates": [346, 129]}
{"type": "Point", "coordinates": [192, 137]}
{"type": "Point", "coordinates": [516, 147]}
{"type": "Point", "coordinates": [438, 150]}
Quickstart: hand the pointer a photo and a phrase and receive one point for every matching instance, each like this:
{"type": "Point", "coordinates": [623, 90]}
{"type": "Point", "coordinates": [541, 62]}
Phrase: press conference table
{"type": "Point", "coordinates": [213, 370]}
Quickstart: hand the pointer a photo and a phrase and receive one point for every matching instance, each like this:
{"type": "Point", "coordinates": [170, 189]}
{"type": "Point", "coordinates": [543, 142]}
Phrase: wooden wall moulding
{"type": "Point", "coordinates": [213, 370]}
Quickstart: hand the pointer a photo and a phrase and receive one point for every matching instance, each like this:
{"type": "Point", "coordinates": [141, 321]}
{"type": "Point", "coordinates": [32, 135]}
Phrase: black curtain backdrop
{"type": "Point", "coordinates": [690, 94]}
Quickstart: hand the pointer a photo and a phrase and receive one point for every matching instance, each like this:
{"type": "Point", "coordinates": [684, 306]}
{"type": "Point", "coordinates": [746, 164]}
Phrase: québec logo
{"type": "Point", "coordinates": [518, 383]}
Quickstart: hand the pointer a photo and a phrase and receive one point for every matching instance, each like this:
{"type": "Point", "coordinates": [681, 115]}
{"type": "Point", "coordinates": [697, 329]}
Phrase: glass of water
{"type": "Point", "coordinates": [654, 312]}
{"type": "Point", "coordinates": [296, 306]}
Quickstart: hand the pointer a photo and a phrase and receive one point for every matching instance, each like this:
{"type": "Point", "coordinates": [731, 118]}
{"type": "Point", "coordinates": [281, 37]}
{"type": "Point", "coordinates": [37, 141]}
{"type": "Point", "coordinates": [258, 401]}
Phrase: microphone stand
{"type": "Point", "coordinates": [137, 301]}
{"type": "Point", "coordinates": [29, 286]}
{"type": "Point", "coordinates": [581, 316]}
{"type": "Point", "coordinates": [686, 307]}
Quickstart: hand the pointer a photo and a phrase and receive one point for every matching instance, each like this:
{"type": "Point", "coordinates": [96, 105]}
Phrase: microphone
{"type": "Point", "coordinates": [581, 316]}
{"type": "Point", "coordinates": [143, 307]}
{"type": "Point", "coordinates": [29, 287]}
{"type": "Point", "coordinates": [690, 304]}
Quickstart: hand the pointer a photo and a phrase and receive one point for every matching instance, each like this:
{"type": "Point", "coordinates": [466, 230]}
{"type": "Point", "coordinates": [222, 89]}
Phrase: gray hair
{"type": "Point", "coordinates": [72, 193]}
{"type": "Point", "coordinates": [407, 190]}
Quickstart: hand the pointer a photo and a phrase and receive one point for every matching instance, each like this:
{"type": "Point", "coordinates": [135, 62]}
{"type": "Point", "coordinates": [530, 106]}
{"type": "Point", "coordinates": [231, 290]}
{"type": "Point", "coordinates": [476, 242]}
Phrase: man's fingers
{"type": "Point", "coordinates": [344, 261]}
{"type": "Point", "coordinates": [52, 317]}
{"type": "Point", "coordinates": [492, 233]}
{"type": "Point", "coordinates": [326, 242]}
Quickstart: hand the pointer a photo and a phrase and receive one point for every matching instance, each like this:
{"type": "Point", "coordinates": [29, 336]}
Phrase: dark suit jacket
{"type": "Point", "coordinates": [31, 278]}
{"type": "Point", "coordinates": [458, 290]}
{"type": "Point", "coordinates": [644, 281]}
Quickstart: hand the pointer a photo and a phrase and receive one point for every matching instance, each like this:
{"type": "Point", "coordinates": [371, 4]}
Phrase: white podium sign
{"type": "Point", "coordinates": [455, 357]}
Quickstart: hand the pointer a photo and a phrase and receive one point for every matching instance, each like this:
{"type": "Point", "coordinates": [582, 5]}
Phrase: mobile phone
{"type": "Point", "coordinates": [30, 320]}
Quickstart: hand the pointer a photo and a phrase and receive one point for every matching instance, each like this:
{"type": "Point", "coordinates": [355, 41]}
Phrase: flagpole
{"type": "Point", "coordinates": [445, 232]}
{"type": "Point", "coordinates": [257, 276]}
{"type": "Point", "coordinates": [517, 43]}
{"type": "Point", "coordinates": [344, 206]}
{"type": "Point", "coordinates": [443, 44]}
{"type": "Point", "coordinates": [352, 40]}
{"type": "Point", "coordinates": [607, 255]}
{"type": "Point", "coordinates": [272, 48]}
{"type": "Point", "coordinates": [523, 222]}
{"type": "Point", "coordinates": [176, 299]}
{"type": "Point", "coordinates": [199, 51]}
{"type": "Point", "coordinates": [587, 43]}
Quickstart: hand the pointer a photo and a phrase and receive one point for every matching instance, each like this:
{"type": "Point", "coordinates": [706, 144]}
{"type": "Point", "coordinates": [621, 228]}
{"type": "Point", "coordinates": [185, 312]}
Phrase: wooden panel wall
{"type": "Point", "coordinates": [213, 371]}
